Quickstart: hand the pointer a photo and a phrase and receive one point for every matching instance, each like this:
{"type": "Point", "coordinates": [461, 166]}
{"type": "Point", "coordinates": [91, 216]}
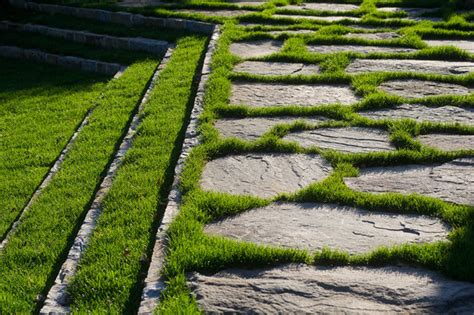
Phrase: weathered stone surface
{"type": "Point", "coordinates": [293, 32]}
{"type": "Point", "coordinates": [224, 13]}
{"type": "Point", "coordinates": [253, 128]}
{"type": "Point", "coordinates": [335, 7]}
{"type": "Point", "coordinates": [362, 49]}
{"type": "Point", "coordinates": [276, 68]}
{"type": "Point", "coordinates": [453, 181]}
{"type": "Point", "coordinates": [302, 289]}
{"type": "Point", "coordinates": [373, 36]}
{"type": "Point", "coordinates": [312, 226]}
{"type": "Point", "coordinates": [320, 18]}
{"type": "Point", "coordinates": [351, 139]}
{"type": "Point", "coordinates": [256, 48]}
{"type": "Point", "coordinates": [408, 11]}
{"type": "Point", "coordinates": [408, 65]}
{"type": "Point", "coordinates": [448, 142]}
{"type": "Point", "coordinates": [467, 45]}
{"type": "Point", "coordinates": [263, 175]}
{"type": "Point", "coordinates": [282, 94]}
{"type": "Point", "coordinates": [420, 88]}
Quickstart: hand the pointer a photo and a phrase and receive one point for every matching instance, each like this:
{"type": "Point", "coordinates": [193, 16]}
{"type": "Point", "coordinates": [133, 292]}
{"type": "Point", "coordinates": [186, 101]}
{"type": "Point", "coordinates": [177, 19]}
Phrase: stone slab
{"type": "Point", "coordinates": [263, 175]}
{"type": "Point", "coordinates": [293, 32]}
{"type": "Point", "coordinates": [276, 68]}
{"type": "Point", "coordinates": [302, 289]}
{"type": "Point", "coordinates": [349, 139]}
{"type": "Point", "coordinates": [320, 18]}
{"type": "Point", "coordinates": [313, 226]}
{"type": "Point", "coordinates": [407, 65]}
{"type": "Point", "coordinates": [253, 128]}
{"type": "Point", "coordinates": [448, 142]}
{"type": "Point", "coordinates": [361, 49]}
{"type": "Point", "coordinates": [221, 13]}
{"type": "Point", "coordinates": [256, 48]}
{"type": "Point", "coordinates": [408, 11]}
{"type": "Point", "coordinates": [374, 36]}
{"type": "Point", "coordinates": [467, 45]}
{"type": "Point", "coordinates": [421, 88]}
{"type": "Point", "coordinates": [335, 7]}
{"type": "Point", "coordinates": [452, 181]}
{"type": "Point", "coordinates": [282, 94]}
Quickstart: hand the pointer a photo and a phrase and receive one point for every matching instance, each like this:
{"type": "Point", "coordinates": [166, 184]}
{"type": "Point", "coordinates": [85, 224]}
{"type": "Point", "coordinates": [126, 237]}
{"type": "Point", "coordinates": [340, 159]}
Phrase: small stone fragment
{"type": "Point", "coordinates": [256, 48]}
{"type": "Point", "coordinates": [448, 142]}
{"type": "Point", "coordinates": [276, 68]}
{"type": "Point", "coordinates": [467, 45]}
{"type": "Point", "coordinates": [408, 65]}
{"type": "Point", "coordinates": [361, 49]}
{"type": "Point", "coordinates": [420, 88]}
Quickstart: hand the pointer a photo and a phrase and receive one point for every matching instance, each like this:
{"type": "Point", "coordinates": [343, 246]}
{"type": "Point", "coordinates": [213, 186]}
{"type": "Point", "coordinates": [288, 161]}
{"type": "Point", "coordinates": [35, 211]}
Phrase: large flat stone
{"type": "Point", "coordinates": [293, 32]}
{"type": "Point", "coordinates": [256, 48]}
{"type": "Point", "coordinates": [320, 18]}
{"type": "Point", "coordinates": [263, 175]}
{"type": "Point", "coordinates": [276, 68]}
{"type": "Point", "coordinates": [453, 181]}
{"type": "Point", "coordinates": [373, 36]}
{"type": "Point", "coordinates": [362, 49]}
{"type": "Point", "coordinates": [415, 14]}
{"type": "Point", "coordinates": [448, 142]}
{"type": "Point", "coordinates": [467, 45]}
{"type": "Point", "coordinates": [335, 7]}
{"type": "Point", "coordinates": [313, 226]}
{"type": "Point", "coordinates": [421, 88]}
{"type": "Point", "coordinates": [350, 139]}
{"type": "Point", "coordinates": [253, 128]}
{"type": "Point", "coordinates": [283, 94]}
{"type": "Point", "coordinates": [407, 65]}
{"type": "Point", "coordinates": [223, 13]}
{"type": "Point", "coordinates": [302, 289]}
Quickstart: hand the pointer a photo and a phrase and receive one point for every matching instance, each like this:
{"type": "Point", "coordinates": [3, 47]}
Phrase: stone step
{"type": "Point", "coordinates": [467, 45]}
{"type": "Point", "coordinates": [447, 142]}
{"type": "Point", "coordinates": [276, 68]}
{"type": "Point", "coordinates": [421, 88]}
{"type": "Point", "coordinates": [361, 49]}
{"type": "Point", "coordinates": [335, 7]}
{"type": "Point", "coordinates": [407, 65]}
{"type": "Point", "coordinates": [255, 48]}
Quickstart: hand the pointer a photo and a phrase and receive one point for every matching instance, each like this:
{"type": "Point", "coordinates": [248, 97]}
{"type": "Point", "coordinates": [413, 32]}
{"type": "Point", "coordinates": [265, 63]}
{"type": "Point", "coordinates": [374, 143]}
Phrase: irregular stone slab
{"type": "Point", "coordinates": [408, 65]}
{"type": "Point", "coordinates": [293, 32]}
{"type": "Point", "coordinates": [362, 49]}
{"type": "Point", "coordinates": [320, 18]}
{"type": "Point", "coordinates": [374, 36]}
{"type": "Point", "coordinates": [408, 11]}
{"type": "Point", "coordinates": [222, 13]}
{"type": "Point", "coordinates": [253, 128]}
{"type": "Point", "coordinates": [448, 142]}
{"type": "Point", "coordinates": [263, 175]}
{"type": "Point", "coordinates": [283, 94]}
{"type": "Point", "coordinates": [276, 68]}
{"type": "Point", "coordinates": [256, 48]}
{"type": "Point", "coordinates": [351, 139]}
{"type": "Point", "coordinates": [313, 226]}
{"type": "Point", "coordinates": [421, 113]}
{"type": "Point", "coordinates": [453, 181]}
{"type": "Point", "coordinates": [420, 88]}
{"type": "Point", "coordinates": [302, 289]}
{"type": "Point", "coordinates": [335, 7]}
{"type": "Point", "coordinates": [467, 45]}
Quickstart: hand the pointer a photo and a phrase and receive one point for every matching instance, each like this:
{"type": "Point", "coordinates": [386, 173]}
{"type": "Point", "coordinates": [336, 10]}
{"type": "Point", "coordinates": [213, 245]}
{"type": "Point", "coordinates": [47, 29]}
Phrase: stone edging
{"type": "Point", "coordinates": [154, 283]}
{"type": "Point", "coordinates": [157, 47]}
{"type": "Point", "coordinates": [57, 301]}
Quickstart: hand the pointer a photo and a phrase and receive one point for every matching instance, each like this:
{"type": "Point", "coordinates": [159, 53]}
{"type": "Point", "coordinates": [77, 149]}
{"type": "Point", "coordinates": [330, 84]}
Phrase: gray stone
{"type": "Point", "coordinates": [361, 49]}
{"type": "Point", "coordinates": [373, 36]}
{"type": "Point", "coordinates": [256, 48]}
{"type": "Point", "coordinates": [276, 68]}
{"type": "Point", "coordinates": [335, 7]}
{"type": "Point", "coordinates": [263, 175]}
{"type": "Point", "coordinates": [453, 181]}
{"type": "Point", "coordinates": [408, 65]}
{"type": "Point", "coordinates": [448, 142]}
{"type": "Point", "coordinates": [350, 139]}
{"type": "Point", "coordinates": [313, 226]}
{"type": "Point", "coordinates": [420, 88]}
{"type": "Point", "coordinates": [293, 32]}
{"type": "Point", "coordinates": [282, 94]}
{"type": "Point", "coordinates": [320, 18]}
{"type": "Point", "coordinates": [467, 45]}
{"type": "Point", "coordinates": [222, 13]}
{"type": "Point", "coordinates": [408, 11]}
{"type": "Point", "coordinates": [302, 289]}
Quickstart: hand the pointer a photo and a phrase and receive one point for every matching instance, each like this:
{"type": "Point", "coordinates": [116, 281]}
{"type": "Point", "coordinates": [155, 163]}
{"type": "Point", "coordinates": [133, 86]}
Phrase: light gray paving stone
{"type": "Point", "coordinates": [350, 139]}
{"type": "Point", "coordinates": [302, 289]}
{"type": "Point", "coordinates": [276, 68]}
{"type": "Point", "coordinates": [467, 45]}
{"type": "Point", "coordinates": [283, 94]}
{"type": "Point", "coordinates": [256, 48]}
{"type": "Point", "coordinates": [408, 65]}
{"type": "Point", "coordinates": [448, 142]}
{"type": "Point", "coordinates": [293, 32]}
{"type": "Point", "coordinates": [408, 11]}
{"type": "Point", "coordinates": [335, 7]}
{"type": "Point", "coordinates": [313, 226]}
{"type": "Point", "coordinates": [254, 127]}
{"type": "Point", "coordinates": [421, 88]}
{"type": "Point", "coordinates": [263, 175]}
{"type": "Point", "coordinates": [223, 13]}
{"type": "Point", "coordinates": [373, 36]}
{"type": "Point", "coordinates": [362, 49]}
{"type": "Point", "coordinates": [452, 181]}
{"type": "Point", "coordinates": [320, 18]}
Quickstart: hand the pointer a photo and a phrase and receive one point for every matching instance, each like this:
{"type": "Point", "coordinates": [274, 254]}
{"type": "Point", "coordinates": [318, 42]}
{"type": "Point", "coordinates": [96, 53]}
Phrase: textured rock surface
{"type": "Point", "coordinates": [282, 94]}
{"type": "Point", "coordinates": [305, 289]}
{"type": "Point", "coordinates": [419, 88]}
{"type": "Point", "coordinates": [373, 36]}
{"type": "Point", "coordinates": [408, 11]}
{"type": "Point", "coordinates": [256, 48]}
{"type": "Point", "coordinates": [320, 18]}
{"type": "Point", "coordinates": [225, 13]}
{"type": "Point", "coordinates": [406, 65]}
{"type": "Point", "coordinates": [467, 45]}
{"type": "Point", "coordinates": [263, 175]}
{"type": "Point", "coordinates": [336, 7]}
{"type": "Point", "coordinates": [328, 49]}
{"type": "Point", "coordinates": [448, 142]}
{"type": "Point", "coordinates": [453, 181]}
{"type": "Point", "coordinates": [351, 139]}
{"type": "Point", "coordinates": [253, 128]}
{"type": "Point", "coordinates": [276, 68]}
{"type": "Point", "coordinates": [293, 32]}
{"type": "Point", "coordinates": [313, 226]}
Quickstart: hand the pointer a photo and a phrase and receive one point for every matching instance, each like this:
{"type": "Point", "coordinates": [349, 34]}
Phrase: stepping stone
{"type": "Point", "coordinates": [263, 175]}
{"type": "Point", "coordinates": [408, 11]}
{"type": "Point", "coordinates": [256, 48]}
{"type": "Point", "coordinates": [453, 181]}
{"type": "Point", "coordinates": [312, 226]}
{"type": "Point", "coordinates": [320, 18]}
{"type": "Point", "coordinates": [276, 68]}
{"type": "Point", "coordinates": [282, 94]}
{"type": "Point", "coordinates": [222, 13]}
{"type": "Point", "coordinates": [361, 49]}
{"type": "Point", "coordinates": [335, 7]}
{"type": "Point", "coordinates": [467, 45]}
{"type": "Point", "coordinates": [302, 289]}
{"type": "Point", "coordinates": [421, 113]}
{"type": "Point", "coordinates": [253, 128]}
{"type": "Point", "coordinates": [373, 36]}
{"type": "Point", "coordinates": [407, 65]}
{"type": "Point", "coordinates": [419, 88]}
{"type": "Point", "coordinates": [293, 32]}
{"type": "Point", "coordinates": [351, 139]}
{"type": "Point", "coordinates": [448, 142]}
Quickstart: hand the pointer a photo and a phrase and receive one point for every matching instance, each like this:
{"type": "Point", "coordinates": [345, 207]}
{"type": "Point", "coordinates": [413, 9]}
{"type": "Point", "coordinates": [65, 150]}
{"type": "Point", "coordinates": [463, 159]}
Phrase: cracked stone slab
{"type": "Point", "coordinates": [374, 36]}
{"type": "Point", "coordinates": [256, 48]}
{"type": "Point", "coordinates": [350, 139]}
{"type": "Point", "coordinates": [320, 18]}
{"type": "Point", "coordinates": [452, 181]}
{"type": "Point", "coordinates": [407, 65]}
{"type": "Point", "coordinates": [283, 94]}
{"type": "Point", "coordinates": [313, 226]}
{"type": "Point", "coordinates": [335, 7]}
{"type": "Point", "coordinates": [467, 45]}
{"type": "Point", "coordinates": [421, 88]}
{"type": "Point", "coordinates": [448, 142]}
{"type": "Point", "coordinates": [253, 128]}
{"type": "Point", "coordinates": [361, 49]}
{"type": "Point", "coordinates": [222, 13]}
{"type": "Point", "coordinates": [302, 289]}
{"type": "Point", "coordinates": [263, 175]}
{"type": "Point", "coordinates": [276, 68]}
